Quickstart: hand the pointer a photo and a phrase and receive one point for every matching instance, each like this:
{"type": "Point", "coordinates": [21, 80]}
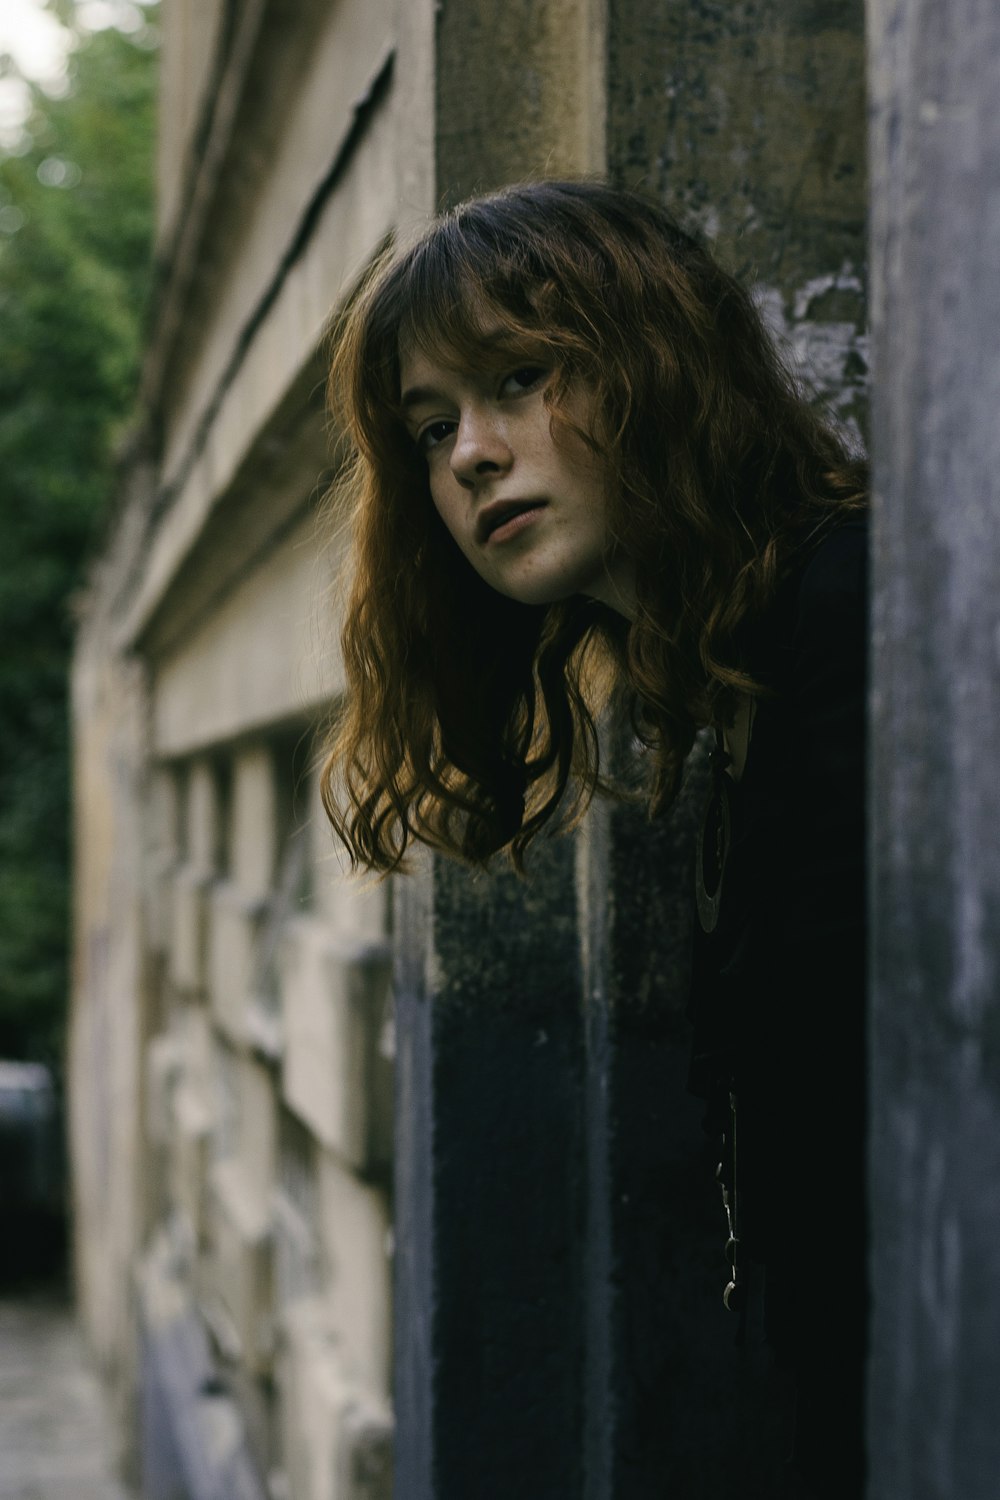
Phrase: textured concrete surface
{"type": "Point", "coordinates": [748, 120]}
{"type": "Point", "coordinates": [934, 1089]}
{"type": "Point", "coordinates": [56, 1441]}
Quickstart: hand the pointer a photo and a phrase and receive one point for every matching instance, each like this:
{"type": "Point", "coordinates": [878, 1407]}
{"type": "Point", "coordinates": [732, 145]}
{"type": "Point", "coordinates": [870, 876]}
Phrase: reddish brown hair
{"type": "Point", "coordinates": [467, 713]}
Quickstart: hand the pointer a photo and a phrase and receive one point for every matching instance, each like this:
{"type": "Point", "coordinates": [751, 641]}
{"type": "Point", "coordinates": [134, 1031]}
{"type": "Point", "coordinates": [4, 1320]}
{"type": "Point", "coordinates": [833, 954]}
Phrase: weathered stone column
{"type": "Point", "coordinates": [489, 1197]}
{"type": "Point", "coordinates": [935, 1076]}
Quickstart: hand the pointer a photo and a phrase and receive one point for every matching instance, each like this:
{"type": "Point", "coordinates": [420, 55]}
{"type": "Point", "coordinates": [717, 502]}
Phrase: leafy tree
{"type": "Point", "coordinates": [75, 235]}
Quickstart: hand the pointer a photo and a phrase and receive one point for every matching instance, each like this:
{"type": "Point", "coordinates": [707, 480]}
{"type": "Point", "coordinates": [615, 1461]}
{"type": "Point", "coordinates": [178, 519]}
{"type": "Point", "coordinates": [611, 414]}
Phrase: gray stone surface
{"type": "Point", "coordinates": [748, 120]}
{"type": "Point", "coordinates": [935, 1029]}
{"type": "Point", "coordinates": [56, 1440]}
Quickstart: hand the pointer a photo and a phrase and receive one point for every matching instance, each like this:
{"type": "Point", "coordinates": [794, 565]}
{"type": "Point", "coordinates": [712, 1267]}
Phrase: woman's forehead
{"type": "Point", "coordinates": [459, 346]}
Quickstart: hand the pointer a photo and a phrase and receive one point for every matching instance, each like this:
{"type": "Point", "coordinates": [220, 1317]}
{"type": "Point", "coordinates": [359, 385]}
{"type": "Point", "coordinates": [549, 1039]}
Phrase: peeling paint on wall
{"type": "Point", "coordinates": [747, 120]}
{"type": "Point", "coordinates": [821, 329]}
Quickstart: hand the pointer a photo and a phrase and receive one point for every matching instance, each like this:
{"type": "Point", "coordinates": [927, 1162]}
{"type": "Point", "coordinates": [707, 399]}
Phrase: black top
{"type": "Point", "coordinates": [778, 993]}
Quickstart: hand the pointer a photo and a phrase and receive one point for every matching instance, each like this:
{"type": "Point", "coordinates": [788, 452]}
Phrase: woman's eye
{"type": "Point", "coordinates": [434, 433]}
{"type": "Point", "coordinates": [523, 379]}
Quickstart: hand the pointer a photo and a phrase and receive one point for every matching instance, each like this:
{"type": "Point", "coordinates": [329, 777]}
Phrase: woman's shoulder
{"type": "Point", "coordinates": [830, 590]}
{"type": "Point", "coordinates": [839, 563]}
{"type": "Point", "coordinates": [823, 598]}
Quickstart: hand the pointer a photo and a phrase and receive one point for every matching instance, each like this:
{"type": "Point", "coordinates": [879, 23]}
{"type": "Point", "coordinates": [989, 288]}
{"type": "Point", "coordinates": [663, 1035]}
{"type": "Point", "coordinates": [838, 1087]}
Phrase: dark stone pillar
{"type": "Point", "coordinates": [489, 1200]}
{"type": "Point", "coordinates": [935, 1075]}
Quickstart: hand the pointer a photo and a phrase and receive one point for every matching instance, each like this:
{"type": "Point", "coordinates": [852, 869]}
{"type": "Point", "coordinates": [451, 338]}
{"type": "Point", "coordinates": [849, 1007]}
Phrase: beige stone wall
{"type": "Point", "coordinates": [192, 44]}
{"type": "Point", "coordinates": [231, 1039]}
{"type": "Point", "coordinates": [110, 1004]}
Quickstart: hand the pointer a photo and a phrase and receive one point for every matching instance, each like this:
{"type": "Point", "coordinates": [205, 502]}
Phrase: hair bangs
{"type": "Point", "coordinates": [467, 299]}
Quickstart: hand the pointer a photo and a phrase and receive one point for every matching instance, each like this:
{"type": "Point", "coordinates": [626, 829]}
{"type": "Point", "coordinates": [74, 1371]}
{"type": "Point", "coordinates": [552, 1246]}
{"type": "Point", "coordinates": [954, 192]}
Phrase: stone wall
{"type": "Point", "coordinates": [231, 1047]}
{"type": "Point", "coordinates": [749, 118]}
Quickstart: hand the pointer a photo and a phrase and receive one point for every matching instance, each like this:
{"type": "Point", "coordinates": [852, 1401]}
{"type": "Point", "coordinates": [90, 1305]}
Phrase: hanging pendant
{"type": "Point", "coordinates": [712, 849]}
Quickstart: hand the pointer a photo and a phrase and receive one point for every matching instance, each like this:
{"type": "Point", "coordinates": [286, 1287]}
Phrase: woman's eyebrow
{"type": "Point", "coordinates": [417, 395]}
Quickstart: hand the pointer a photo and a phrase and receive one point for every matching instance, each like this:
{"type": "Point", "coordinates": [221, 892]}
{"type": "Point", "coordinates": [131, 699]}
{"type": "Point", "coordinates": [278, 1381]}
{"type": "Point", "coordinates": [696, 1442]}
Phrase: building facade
{"type": "Point", "coordinates": [328, 1220]}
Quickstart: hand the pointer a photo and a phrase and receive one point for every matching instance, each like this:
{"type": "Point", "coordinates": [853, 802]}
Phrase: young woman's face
{"type": "Point", "coordinates": [525, 499]}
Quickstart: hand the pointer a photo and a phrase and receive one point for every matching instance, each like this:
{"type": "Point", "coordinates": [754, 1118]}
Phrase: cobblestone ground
{"type": "Point", "coordinates": [55, 1438]}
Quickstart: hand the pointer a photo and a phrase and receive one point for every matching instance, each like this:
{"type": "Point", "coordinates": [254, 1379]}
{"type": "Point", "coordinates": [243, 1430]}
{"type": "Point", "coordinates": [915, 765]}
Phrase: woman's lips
{"type": "Point", "coordinates": [514, 524]}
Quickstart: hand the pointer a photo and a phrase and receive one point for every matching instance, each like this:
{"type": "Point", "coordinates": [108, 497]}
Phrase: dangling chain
{"type": "Point", "coordinates": [711, 857]}
{"type": "Point", "coordinates": [734, 1297]}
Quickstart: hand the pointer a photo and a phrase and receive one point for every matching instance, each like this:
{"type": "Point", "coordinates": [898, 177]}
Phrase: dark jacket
{"type": "Point", "coordinates": [778, 992]}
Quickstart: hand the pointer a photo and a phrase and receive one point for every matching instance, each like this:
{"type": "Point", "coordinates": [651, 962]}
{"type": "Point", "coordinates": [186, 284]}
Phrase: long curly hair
{"type": "Point", "coordinates": [469, 720]}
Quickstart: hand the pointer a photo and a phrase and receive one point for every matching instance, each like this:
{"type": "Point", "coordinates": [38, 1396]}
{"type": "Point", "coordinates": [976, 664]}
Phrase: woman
{"type": "Point", "coordinates": [580, 468]}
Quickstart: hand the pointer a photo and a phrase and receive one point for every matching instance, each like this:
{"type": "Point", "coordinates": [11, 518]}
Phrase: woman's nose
{"type": "Point", "coordinates": [480, 448]}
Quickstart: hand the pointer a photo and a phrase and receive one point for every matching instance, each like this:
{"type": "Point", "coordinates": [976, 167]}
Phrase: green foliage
{"type": "Point", "coordinates": [74, 280]}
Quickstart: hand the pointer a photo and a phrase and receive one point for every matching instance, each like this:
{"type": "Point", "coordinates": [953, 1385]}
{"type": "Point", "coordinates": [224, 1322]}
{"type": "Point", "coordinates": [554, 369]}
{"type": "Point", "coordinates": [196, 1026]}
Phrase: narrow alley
{"type": "Point", "coordinates": [55, 1433]}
